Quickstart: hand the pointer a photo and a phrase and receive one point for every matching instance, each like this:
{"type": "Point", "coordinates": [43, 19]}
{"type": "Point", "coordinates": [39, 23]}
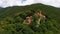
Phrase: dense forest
{"type": "Point", "coordinates": [30, 19]}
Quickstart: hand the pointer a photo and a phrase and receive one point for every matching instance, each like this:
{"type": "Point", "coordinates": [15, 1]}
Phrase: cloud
{"type": "Point", "coordinates": [7, 3]}
{"type": "Point", "coordinates": [55, 3]}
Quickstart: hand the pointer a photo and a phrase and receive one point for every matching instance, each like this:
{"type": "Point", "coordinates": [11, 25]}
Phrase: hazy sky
{"type": "Point", "coordinates": [7, 3]}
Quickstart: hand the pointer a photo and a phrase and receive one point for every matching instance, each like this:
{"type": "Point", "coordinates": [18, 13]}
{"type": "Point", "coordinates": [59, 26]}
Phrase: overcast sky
{"type": "Point", "coordinates": [7, 3]}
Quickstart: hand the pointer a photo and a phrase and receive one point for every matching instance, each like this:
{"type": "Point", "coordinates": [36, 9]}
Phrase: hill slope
{"type": "Point", "coordinates": [12, 18]}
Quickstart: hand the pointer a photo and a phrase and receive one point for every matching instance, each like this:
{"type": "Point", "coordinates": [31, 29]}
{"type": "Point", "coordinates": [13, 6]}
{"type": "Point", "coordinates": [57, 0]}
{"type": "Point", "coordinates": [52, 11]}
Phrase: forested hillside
{"type": "Point", "coordinates": [43, 19]}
